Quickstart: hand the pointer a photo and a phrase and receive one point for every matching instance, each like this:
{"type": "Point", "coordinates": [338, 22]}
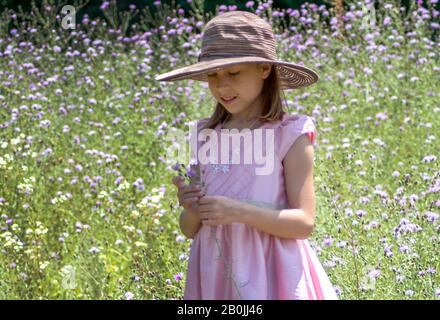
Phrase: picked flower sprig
{"type": "Point", "coordinates": [190, 173]}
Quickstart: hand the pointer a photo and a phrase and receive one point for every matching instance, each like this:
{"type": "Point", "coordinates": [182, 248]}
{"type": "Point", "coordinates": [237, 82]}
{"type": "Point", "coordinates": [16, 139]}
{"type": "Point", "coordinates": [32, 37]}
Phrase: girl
{"type": "Point", "coordinates": [250, 230]}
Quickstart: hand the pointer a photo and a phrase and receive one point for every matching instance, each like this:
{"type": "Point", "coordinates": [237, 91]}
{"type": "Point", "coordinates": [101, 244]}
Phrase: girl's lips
{"type": "Point", "coordinates": [228, 101]}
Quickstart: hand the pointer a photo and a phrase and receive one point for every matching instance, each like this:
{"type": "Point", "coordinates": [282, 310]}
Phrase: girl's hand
{"type": "Point", "coordinates": [218, 210]}
{"type": "Point", "coordinates": [188, 195]}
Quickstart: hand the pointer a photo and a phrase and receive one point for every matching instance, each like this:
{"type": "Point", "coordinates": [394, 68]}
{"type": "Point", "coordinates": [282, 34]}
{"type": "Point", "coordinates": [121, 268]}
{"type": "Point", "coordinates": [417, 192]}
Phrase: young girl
{"type": "Point", "coordinates": [250, 230]}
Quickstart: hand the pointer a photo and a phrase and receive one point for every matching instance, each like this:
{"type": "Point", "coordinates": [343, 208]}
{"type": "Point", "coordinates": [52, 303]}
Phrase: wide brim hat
{"type": "Point", "coordinates": [241, 37]}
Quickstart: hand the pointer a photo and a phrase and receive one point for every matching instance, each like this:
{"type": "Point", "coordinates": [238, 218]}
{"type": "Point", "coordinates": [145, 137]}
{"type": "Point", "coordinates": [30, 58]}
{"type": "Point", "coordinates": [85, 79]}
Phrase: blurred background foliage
{"type": "Point", "coordinates": [92, 7]}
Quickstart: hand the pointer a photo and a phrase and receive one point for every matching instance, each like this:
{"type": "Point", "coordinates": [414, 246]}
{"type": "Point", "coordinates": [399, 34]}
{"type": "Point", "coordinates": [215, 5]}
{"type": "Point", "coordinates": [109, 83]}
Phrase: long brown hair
{"type": "Point", "coordinates": [271, 98]}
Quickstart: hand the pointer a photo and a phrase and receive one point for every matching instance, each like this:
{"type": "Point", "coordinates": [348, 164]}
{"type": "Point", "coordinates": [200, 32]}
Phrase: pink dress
{"type": "Point", "coordinates": [237, 261]}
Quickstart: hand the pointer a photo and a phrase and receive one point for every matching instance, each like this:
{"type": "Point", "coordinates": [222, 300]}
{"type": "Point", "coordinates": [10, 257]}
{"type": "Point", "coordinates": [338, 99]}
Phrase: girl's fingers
{"type": "Point", "coordinates": [204, 208]}
{"type": "Point", "coordinates": [195, 186]}
{"type": "Point", "coordinates": [190, 188]}
{"type": "Point", "coordinates": [192, 197]}
{"type": "Point", "coordinates": [178, 181]}
{"type": "Point", "coordinates": [189, 202]}
{"type": "Point", "coordinates": [189, 194]}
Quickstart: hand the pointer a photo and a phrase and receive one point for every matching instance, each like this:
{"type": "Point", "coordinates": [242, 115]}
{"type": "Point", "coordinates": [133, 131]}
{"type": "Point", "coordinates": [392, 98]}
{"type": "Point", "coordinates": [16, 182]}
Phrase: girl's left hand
{"type": "Point", "coordinates": [218, 210]}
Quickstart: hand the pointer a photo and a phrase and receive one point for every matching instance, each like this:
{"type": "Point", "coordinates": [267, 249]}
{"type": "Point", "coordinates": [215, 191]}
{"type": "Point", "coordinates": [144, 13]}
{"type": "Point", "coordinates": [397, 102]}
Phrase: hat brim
{"type": "Point", "coordinates": [291, 75]}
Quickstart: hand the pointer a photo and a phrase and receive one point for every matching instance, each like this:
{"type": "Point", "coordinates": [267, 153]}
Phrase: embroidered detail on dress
{"type": "Point", "coordinates": [219, 167]}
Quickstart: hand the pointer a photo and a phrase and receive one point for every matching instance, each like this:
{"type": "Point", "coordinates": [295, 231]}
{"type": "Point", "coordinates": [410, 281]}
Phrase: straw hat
{"type": "Point", "coordinates": [240, 37]}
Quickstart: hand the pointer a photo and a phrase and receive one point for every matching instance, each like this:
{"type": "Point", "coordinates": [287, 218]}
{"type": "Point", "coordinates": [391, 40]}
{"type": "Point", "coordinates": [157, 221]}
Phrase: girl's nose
{"type": "Point", "coordinates": [222, 83]}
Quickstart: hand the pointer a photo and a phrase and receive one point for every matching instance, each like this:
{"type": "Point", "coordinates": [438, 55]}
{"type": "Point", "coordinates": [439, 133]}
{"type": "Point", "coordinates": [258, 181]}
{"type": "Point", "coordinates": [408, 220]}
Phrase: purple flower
{"type": "Point", "coordinates": [369, 37]}
{"type": "Point", "coordinates": [388, 252]}
{"type": "Point", "coordinates": [337, 290]}
{"type": "Point", "coordinates": [191, 173]}
{"type": "Point", "coordinates": [139, 183]}
{"type": "Point", "coordinates": [368, 71]}
{"type": "Point", "coordinates": [431, 216]}
{"type": "Point", "coordinates": [406, 226]}
{"type": "Point", "coordinates": [404, 249]}
{"type": "Point", "coordinates": [129, 295]}
{"type": "Point", "coordinates": [118, 180]}
{"type": "Point", "coordinates": [328, 241]}
{"type": "Point", "coordinates": [430, 158]}
{"type": "Point", "coordinates": [178, 276]}
{"type": "Point", "coordinates": [374, 273]}
{"type": "Point", "coordinates": [94, 250]}
{"type": "Point", "coordinates": [431, 270]}
{"type": "Point", "coordinates": [361, 213]}
{"type": "Point", "coordinates": [104, 5]}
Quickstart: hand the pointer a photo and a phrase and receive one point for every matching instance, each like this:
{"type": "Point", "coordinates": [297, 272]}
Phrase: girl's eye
{"type": "Point", "coordinates": [232, 74]}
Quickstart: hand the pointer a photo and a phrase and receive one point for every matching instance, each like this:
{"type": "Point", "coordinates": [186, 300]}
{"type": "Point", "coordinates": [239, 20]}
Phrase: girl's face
{"type": "Point", "coordinates": [242, 81]}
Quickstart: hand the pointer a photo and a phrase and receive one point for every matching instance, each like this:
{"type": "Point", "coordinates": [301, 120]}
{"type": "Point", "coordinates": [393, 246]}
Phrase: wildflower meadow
{"type": "Point", "coordinates": [88, 145]}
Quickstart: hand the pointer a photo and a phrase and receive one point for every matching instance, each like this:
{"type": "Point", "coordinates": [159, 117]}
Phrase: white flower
{"type": "Point", "coordinates": [129, 295]}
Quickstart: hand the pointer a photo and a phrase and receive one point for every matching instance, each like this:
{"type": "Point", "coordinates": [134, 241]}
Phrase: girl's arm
{"type": "Point", "coordinates": [286, 223]}
{"type": "Point", "coordinates": [189, 223]}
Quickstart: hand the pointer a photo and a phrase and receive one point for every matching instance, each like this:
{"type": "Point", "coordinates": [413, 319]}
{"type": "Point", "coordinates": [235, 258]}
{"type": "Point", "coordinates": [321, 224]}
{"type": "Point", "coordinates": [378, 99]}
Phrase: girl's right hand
{"type": "Point", "coordinates": [188, 195]}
